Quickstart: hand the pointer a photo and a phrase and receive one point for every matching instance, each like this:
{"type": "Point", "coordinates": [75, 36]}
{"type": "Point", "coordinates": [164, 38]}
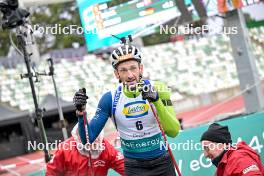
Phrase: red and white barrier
{"type": "Point", "coordinates": [12, 166]}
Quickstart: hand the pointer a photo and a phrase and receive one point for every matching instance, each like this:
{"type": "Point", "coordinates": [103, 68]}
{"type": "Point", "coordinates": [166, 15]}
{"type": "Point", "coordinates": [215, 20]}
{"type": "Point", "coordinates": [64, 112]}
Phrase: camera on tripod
{"type": "Point", "coordinates": [13, 16]}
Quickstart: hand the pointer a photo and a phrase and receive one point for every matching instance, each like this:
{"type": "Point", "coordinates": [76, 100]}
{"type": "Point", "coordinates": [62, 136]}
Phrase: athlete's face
{"type": "Point", "coordinates": [129, 73]}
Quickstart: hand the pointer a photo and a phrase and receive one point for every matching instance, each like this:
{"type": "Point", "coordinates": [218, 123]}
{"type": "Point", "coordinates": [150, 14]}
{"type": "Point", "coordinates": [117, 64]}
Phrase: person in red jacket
{"type": "Point", "coordinates": [237, 160]}
{"type": "Point", "coordinates": [75, 159]}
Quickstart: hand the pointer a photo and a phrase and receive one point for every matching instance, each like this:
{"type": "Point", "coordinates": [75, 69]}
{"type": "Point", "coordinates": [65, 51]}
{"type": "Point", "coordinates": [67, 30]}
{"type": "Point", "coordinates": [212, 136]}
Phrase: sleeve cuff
{"type": "Point", "coordinates": [158, 103]}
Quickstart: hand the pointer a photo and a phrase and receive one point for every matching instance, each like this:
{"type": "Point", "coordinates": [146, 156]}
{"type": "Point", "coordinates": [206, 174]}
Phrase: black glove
{"type": "Point", "coordinates": [80, 99]}
{"type": "Point", "coordinates": [149, 93]}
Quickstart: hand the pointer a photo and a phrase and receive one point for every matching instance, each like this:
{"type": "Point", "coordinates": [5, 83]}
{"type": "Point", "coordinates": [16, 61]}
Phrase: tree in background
{"type": "Point", "coordinates": [62, 15]}
{"type": "Point", "coordinates": [4, 43]}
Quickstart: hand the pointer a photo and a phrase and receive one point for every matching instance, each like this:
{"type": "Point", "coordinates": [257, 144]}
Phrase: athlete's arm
{"type": "Point", "coordinates": [98, 122]}
{"type": "Point", "coordinates": [165, 110]}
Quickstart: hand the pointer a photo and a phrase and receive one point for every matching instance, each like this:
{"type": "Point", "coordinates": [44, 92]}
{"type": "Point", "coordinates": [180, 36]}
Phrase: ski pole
{"type": "Point", "coordinates": [166, 142]}
{"type": "Point", "coordinates": [86, 123]}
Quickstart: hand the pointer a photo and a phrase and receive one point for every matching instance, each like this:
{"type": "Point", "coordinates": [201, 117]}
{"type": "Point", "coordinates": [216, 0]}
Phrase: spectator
{"type": "Point", "coordinates": [237, 160]}
{"type": "Point", "coordinates": [73, 158]}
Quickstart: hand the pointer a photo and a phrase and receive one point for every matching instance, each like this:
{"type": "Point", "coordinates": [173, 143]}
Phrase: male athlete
{"type": "Point", "coordinates": [129, 108]}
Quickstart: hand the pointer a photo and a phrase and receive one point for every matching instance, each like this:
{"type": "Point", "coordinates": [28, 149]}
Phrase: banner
{"type": "Point", "coordinates": [188, 152]}
{"type": "Point", "coordinates": [187, 149]}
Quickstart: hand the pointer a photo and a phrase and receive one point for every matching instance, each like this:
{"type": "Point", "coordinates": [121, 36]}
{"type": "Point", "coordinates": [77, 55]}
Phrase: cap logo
{"type": "Point", "coordinates": [124, 57]}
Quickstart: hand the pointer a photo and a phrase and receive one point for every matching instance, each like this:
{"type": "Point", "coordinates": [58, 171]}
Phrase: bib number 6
{"type": "Point", "coordinates": [139, 125]}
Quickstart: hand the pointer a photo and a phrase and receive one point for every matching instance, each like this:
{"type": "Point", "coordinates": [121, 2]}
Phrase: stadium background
{"type": "Point", "coordinates": [200, 70]}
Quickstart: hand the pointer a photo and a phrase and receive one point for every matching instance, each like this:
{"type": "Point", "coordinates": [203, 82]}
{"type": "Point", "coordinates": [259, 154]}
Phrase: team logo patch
{"type": "Point", "coordinates": [135, 109]}
{"type": "Point", "coordinates": [125, 57]}
{"type": "Point", "coordinates": [99, 163]}
{"type": "Point", "coordinates": [250, 169]}
{"type": "Point", "coordinates": [119, 156]}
